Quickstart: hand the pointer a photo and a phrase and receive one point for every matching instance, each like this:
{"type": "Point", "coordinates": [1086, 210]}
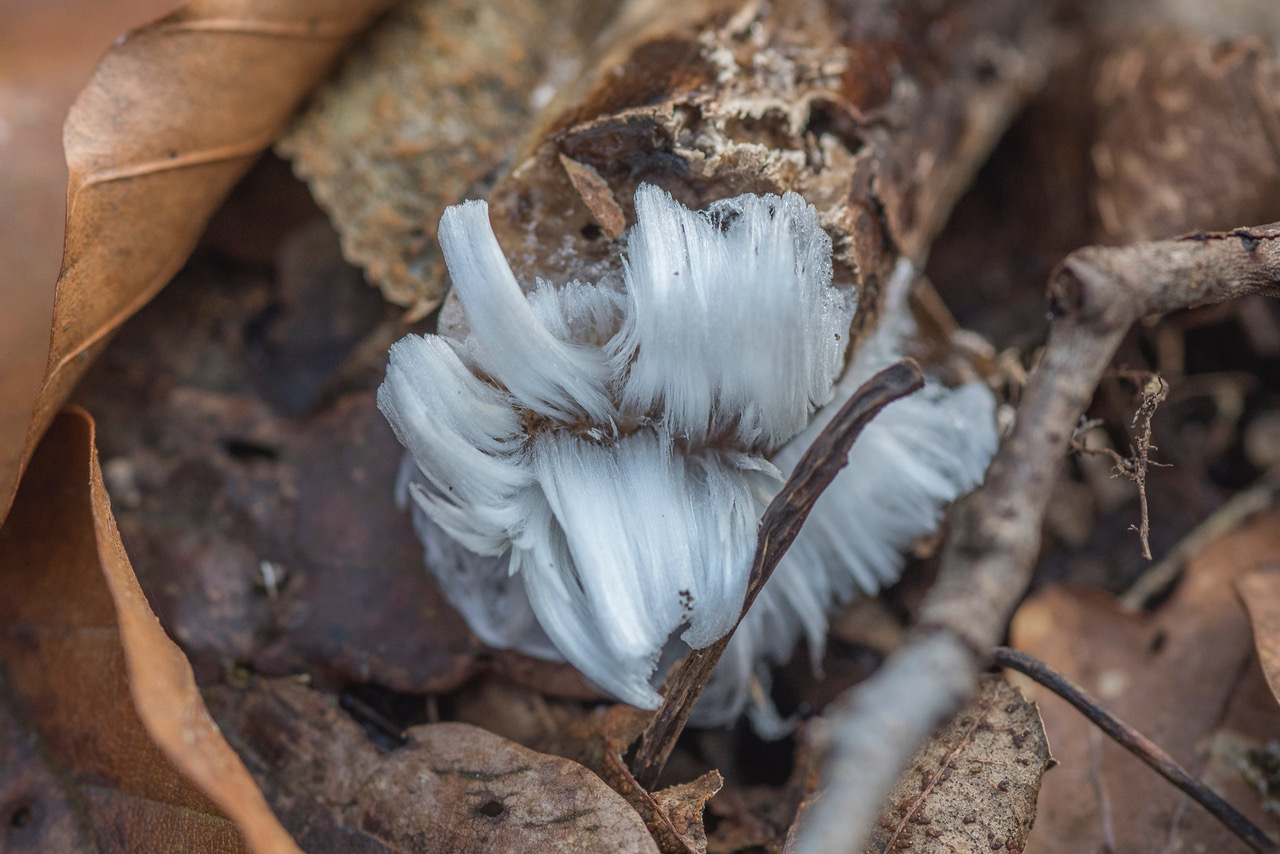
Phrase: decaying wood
{"type": "Point", "coordinates": [779, 526]}
{"type": "Point", "coordinates": [1096, 295]}
{"type": "Point", "coordinates": [878, 113]}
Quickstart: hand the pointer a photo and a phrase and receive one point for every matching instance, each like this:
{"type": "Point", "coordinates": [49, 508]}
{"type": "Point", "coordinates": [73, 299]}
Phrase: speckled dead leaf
{"type": "Point", "coordinates": [1261, 594]}
{"type": "Point", "coordinates": [683, 805]}
{"type": "Point", "coordinates": [426, 113]}
{"type": "Point", "coordinates": [111, 698]}
{"type": "Point", "coordinates": [973, 786]}
{"type": "Point", "coordinates": [450, 787]}
{"type": "Point", "coordinates": [174, 115]}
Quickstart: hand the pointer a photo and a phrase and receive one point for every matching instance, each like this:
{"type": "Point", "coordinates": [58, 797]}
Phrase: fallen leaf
{"type": "Point", "coordinates": [1261, 594]}
{"type": "Point", "coordinates": [111, 698]}
{"type": "Point", "coordinates": [49, 50]}
{"type": "Point", "coordinates": [424, 114]}
{"type": "Point", "coordinates": [1186, 132]}
{"type": "Point", "coordinates": [1184, 676]}
{"type": "Point", "coordinates": [451, 787]}
{"type": "Point", "coordinates": [674, 815]}
{"type": "Point", "coordinates": [173, 117]}
{"type": "Point", "coordinates": [972, 787]}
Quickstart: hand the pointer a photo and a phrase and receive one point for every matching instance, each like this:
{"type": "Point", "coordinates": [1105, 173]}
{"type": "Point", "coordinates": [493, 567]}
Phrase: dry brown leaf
{"type": "Point", "coordinates": [1184, 676]}
{"type": "Point", "coordinates": [1261, 594]}
{"type": "Point", "coordinates": [973, 786]}
{"type": "Point", "coordinates": [673, 815]}
{"type": "Point", "coordinates": [173, 117]}
{"type": "Point", "coordinates": [450, 787]}
{"type": "Point", "coordinates": [47, 52]}
{"type": "Point", "coordinates": [425, 114]}
{"type": "Point", "coordinates": [112, 699]}
{"type": "Point", "coordinates": [1187, 132]}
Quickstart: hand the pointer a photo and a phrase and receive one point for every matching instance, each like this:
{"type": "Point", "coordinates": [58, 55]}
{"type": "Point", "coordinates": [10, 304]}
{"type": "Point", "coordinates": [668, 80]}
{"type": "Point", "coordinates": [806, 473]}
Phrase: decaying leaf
{"type": "Point", "coordinates": [1261, 594]}
{"type": "Point", "coordinates": [1148, 132]}
{"type": "Point", "coordinates": [173, 117]}
{"type": "Point", "coordinates": [673, 815]}
{"type": "Point", "coordinates": [48, 51]}
{"type": "Point", "coordinates": [450, 787]}
{"type": "Point", "coordinates": [1183, 676]}
{"type": "Point", "coordinates": [110, 697]}
{"type": "Point", "coordinates": [973, 786]}
{"type": "Point", "coordinates": [424, 114]}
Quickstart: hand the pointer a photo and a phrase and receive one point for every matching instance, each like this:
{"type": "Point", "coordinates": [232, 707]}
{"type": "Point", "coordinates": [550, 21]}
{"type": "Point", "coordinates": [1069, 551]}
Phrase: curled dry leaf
{"type": "Point", "coordinates": [1261, 594]}
{"type": "Point", "coordinates": [426, 113]}
{"type": "Point", "coordinates": [450, 787]}
{"type": "Point", "coordinates": [1183, 676]}
{"type": "Point", "coordinates": [110, 697]}
{"type": "Point", "coordinates": [49, 50]}
{"type": "Point", "coordinates": [973, 786]}
{"type": "Point", "coordinates": [173, 117]}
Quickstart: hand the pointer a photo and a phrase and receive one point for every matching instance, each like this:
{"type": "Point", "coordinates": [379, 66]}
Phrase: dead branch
{"type": "Point", "coordinates": [1096, 294]}
{"type": "Point", "coordinates": [779, 526]}
{"type": "Point", "coordinates": [1134, 742]}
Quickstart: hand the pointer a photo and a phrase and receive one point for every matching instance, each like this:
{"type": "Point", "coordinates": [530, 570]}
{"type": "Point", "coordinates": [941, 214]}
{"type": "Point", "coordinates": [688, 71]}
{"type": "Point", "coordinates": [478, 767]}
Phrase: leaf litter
{"type": "Point", "coordinates": [426, 112]}
{"type": "Point", "coordinates": [1185, 675]}
{"type": "Point", "coordinates": [277, 567]}
{"type": "Point", "coordinates": [448, 787]}
{"type": "Point", "coordinates": [154, 144]}
{"type": "Point", "coordinates": [109, 698]}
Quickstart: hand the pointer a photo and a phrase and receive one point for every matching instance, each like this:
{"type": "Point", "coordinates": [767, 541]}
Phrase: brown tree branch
{"type": "Point", "coordinates": [779, 526]}
{"type": "Point", "coordinates": [1096, 295]}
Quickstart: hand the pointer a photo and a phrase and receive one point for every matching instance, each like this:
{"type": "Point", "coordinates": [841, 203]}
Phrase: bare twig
{"type": "Point", "coordinates": [1134, 467]}
{"type": "Point", "coordinates": [1239, 509]}
{"type": "Point", "coordinates": [1096, 295]}
{"type": "Point", "coordinates": [1134, 742]}
{"type": "Point", "coordinates": [779, 526]}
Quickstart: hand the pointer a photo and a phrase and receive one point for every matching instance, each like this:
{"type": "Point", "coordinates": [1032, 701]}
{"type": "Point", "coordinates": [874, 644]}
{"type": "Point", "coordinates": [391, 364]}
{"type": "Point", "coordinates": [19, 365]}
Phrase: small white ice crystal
{"type": "Point", "coordinates": [590, 463]}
